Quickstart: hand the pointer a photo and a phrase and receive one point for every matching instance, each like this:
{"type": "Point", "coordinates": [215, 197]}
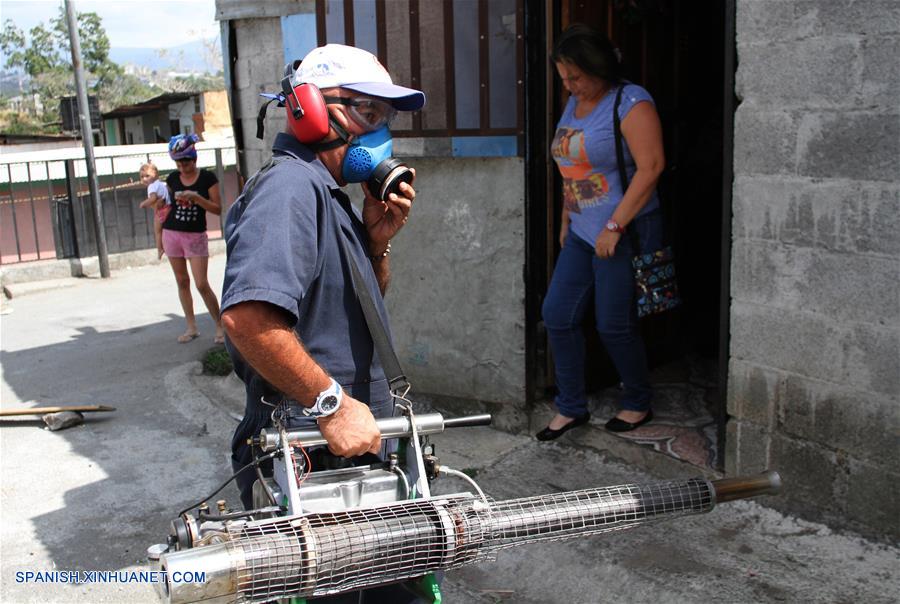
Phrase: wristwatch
{"type": "Point", "coordinates": [614, 226]}
{"type": "Point", "coordinates": [328, 402]}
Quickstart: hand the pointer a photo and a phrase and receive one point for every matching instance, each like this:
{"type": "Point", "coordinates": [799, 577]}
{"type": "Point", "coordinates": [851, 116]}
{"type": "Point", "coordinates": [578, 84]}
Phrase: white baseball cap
{"type": "Point", "coordinates": [339, 66]}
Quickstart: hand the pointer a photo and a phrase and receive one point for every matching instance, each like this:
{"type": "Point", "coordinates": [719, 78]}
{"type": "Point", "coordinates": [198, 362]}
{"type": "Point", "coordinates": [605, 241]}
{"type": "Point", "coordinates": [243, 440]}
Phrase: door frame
{"type": "Point", "coordinates": [542, 20]}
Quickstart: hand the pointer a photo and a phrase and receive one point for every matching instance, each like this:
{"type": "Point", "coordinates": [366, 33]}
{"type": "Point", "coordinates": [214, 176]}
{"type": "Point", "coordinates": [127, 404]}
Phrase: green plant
{"type": "Point", "coordinates": [217, 362]}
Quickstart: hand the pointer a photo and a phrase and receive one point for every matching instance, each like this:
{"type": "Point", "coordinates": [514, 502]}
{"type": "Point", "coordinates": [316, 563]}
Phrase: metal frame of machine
{"type": "Point", "coordinates": [332, 531]}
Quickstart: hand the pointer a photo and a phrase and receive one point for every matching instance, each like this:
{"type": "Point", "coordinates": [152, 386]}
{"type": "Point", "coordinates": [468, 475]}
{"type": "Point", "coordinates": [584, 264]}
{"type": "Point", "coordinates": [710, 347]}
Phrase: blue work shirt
{"type": "Point", "coordinates": [283, 249]}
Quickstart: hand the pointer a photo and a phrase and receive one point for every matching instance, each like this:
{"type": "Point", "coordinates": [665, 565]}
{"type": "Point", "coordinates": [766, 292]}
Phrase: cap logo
{"type": "Point", "coordinates": [320, 70]}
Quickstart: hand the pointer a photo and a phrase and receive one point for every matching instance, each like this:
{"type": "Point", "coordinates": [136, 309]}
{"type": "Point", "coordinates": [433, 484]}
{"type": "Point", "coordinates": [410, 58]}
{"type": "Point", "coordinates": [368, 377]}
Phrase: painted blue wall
{"type": "Point", "coordinates": [299, 35]}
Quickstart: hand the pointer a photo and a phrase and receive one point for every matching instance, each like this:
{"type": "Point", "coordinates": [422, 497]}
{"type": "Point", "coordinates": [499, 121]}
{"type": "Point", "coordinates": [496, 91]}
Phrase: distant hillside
{"type": "Point", "coordinates": [188, 57]}
{"type": "Point", "coordinates": [10, 83]}
{"type": "Point", "coordinates": [191, 56]}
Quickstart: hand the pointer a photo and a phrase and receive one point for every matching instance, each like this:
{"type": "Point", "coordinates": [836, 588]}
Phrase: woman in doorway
{"type": "Point", "coordinates": [595, 261]}
{"type": "Point", "coordinates": [194, 193]}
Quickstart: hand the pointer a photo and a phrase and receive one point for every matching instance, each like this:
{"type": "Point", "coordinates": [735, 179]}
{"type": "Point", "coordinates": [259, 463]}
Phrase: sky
{"type": "Point", "coordinates": [128, 23]}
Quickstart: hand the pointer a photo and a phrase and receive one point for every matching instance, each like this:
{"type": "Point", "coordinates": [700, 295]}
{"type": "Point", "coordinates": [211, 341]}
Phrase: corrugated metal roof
{"type": "Point", "coordinates": [156, 103]}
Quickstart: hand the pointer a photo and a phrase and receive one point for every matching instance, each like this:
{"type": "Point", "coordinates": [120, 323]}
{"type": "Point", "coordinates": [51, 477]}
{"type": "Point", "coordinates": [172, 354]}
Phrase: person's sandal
{"type": "Point", "coordinates": [188, 337]}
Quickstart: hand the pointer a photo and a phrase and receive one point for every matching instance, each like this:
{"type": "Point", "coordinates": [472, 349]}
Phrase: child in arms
{"type": "Point", "coordinates": [158, 199]}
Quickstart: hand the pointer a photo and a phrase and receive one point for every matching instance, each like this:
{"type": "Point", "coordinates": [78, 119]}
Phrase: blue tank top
{"type": "Point", "coordinates": [585, 152]}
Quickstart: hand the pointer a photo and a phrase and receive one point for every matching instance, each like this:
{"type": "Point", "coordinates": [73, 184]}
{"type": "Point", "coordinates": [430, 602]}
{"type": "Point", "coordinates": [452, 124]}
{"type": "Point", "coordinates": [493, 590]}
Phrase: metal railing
{"type": "Point", "coordinates": [45, 201]}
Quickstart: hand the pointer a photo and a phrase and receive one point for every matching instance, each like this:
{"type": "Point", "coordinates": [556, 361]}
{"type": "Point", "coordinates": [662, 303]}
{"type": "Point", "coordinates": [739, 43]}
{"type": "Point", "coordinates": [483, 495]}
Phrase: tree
{"type": "Point", "coordinates": [45, 55]}
{"type": "Point", "coordinates": [37, 57]}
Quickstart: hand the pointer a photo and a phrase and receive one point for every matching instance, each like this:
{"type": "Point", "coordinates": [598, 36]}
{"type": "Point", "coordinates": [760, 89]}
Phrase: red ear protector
{"type": "Point", "coordinates": [307, 116]}
{"type": "Point", "coordinates": [306, 113]}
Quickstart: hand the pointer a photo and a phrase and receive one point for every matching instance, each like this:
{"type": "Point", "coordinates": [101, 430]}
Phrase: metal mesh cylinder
{"type": "Point", "coordinates": [561, 515]}
{"type": "Point", "coordinates": [325, 553]}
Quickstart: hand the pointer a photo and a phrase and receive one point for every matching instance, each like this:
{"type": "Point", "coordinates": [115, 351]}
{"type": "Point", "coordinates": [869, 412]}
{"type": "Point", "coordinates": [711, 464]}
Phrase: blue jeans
{"type": "Point", "coordinates": [580, 277]}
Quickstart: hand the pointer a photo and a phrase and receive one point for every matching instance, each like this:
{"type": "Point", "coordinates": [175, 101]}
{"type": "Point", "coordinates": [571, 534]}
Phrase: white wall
{"type": "Point", "coordinates": [183, 112]}
{"type": "Point", "coordinates": [135, 127]}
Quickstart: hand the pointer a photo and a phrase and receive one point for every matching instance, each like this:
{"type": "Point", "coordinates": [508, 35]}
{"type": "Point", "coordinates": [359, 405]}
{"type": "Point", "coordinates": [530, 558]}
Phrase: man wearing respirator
{"type": "Point", "coordinates": [295, 329]}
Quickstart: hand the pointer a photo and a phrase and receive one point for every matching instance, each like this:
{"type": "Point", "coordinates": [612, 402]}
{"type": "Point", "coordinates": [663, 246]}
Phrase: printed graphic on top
{"type": "Point", "coordinates": [581, 187]}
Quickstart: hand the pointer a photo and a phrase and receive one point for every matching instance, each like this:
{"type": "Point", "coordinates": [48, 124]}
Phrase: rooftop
{"type": "Point", "coordinates": [158, 102]}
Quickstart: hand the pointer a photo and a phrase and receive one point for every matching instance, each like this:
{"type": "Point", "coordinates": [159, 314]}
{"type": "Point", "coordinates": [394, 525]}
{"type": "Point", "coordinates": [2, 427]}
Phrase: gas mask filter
{"type": "Point", "coordinates": [369, 160]}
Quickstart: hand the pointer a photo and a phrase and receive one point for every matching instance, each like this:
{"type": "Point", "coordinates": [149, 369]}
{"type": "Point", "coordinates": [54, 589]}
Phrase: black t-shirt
{"type": "Point", "coordinates": [191, 219]}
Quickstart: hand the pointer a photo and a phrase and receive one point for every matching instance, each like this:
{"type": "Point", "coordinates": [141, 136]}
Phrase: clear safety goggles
{"type": "Point", "coordinates": [368, 113]}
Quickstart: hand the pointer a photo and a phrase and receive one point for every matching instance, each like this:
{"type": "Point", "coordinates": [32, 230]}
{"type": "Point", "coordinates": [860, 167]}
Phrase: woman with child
{"type": "Point", "coordinates": [184, 240]}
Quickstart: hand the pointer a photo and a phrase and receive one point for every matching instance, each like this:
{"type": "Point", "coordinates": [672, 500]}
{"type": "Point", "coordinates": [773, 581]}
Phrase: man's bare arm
{"type": "Point", "coordinates": [263, 337]}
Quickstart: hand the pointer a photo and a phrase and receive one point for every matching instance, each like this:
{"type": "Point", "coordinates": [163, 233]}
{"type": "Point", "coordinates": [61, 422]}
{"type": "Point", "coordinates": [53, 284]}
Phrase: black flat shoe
{"type": "Point", "coordinates": [550, 434]}
{"type": "Point", "coordinates": [620, 425]}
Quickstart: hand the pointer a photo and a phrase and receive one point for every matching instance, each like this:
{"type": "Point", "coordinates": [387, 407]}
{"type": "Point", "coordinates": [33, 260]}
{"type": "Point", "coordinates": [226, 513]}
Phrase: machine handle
{"type": "Point", "coordinates": [468, 421]}
{"type": "Point", "coordinates": [390, 427]}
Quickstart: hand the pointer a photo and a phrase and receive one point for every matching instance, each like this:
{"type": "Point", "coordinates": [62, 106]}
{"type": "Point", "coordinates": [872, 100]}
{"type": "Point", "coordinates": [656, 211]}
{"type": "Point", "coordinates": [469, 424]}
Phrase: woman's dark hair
{"type": "Point", "coordinates": [589, 50]}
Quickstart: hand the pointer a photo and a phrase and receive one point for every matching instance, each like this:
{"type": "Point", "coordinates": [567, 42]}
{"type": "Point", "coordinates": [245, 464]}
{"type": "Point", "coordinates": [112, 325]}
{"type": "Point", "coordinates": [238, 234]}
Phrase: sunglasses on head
{"type": "Point", "coordinates": [368, 113]}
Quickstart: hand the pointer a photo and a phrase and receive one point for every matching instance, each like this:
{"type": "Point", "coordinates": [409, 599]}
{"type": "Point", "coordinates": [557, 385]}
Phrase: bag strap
{"type": "Point", "coordinates": [389, 361]}
{"type": "Point", "coordinates": [383, 348]}
{"type": "Point", "coordinates": [620, 163]}
{"type": "Point", "coordinates": [620, 151]}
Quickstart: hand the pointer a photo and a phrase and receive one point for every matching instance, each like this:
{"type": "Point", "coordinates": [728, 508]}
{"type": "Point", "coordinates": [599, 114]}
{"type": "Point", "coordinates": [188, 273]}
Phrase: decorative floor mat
{"type": "Point", "coordinates": [683, 426]}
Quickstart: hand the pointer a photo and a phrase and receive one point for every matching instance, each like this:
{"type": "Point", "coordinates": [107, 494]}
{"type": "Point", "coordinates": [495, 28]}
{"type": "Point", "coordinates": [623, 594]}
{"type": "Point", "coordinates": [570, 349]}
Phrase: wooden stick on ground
{"type": "Point", "coordinates": [43, 410]}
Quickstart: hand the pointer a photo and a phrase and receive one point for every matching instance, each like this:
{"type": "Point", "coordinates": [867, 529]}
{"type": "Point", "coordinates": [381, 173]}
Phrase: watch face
{"type": "Point", "coordinates": [328, 404]}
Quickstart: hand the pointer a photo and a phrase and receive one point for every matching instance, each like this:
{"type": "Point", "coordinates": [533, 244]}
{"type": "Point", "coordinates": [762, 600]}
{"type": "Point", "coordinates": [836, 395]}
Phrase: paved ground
{"type": "Point", "coordinates": [95, 496]}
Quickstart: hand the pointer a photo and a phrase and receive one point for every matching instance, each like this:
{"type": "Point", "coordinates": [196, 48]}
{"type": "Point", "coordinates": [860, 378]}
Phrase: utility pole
{"type": "Point", "coordinates": [87, 137]}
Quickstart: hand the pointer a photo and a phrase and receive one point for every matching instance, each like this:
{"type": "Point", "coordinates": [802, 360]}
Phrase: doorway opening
{"type": "Point", "coordinates": [681, 52]}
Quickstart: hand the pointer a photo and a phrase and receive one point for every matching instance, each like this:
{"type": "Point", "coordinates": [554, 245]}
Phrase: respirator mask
{"type": "Point", "coordinates": [368, 157]}
{"type": "Point", "coordinates": [369, 160]}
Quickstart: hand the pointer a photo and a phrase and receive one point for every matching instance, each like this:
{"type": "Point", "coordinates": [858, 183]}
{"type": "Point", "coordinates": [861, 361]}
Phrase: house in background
{"type": "Point", "coordinates": [158, 119]}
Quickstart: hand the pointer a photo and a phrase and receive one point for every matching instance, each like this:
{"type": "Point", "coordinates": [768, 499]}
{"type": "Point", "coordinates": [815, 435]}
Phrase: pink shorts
{"type": "Point", "coordinates": [181, 244]}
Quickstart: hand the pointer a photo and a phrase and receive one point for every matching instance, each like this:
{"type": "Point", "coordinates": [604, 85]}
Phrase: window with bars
{"type": "Point", "coordinates": [466, 55]}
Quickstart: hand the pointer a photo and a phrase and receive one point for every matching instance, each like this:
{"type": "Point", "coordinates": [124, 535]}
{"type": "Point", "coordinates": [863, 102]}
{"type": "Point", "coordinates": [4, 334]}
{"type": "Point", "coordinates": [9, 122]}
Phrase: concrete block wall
{"type": "Point", "coordinates": [259, 66]}
{"type": "Point", "coordinates": [457, 295]}
{"type": "Point", "coordinates": [814, 376]}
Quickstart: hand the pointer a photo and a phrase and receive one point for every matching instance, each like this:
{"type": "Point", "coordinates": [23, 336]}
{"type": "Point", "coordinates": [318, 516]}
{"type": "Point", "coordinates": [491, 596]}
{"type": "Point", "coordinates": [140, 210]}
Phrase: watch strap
{"type": "Point", "coordinates": [614, 226]}
{"type": "Point", "coordinates": [334, 389]}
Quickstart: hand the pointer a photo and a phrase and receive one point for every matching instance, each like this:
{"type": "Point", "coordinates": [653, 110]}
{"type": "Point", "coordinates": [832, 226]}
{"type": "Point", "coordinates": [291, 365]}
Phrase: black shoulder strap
{"type": "Point", "coordinates": [389, 361]}
{"type": "Point", "coordinates": [617, 130]}
{"type": "Point", "coordinates": [620, 162]}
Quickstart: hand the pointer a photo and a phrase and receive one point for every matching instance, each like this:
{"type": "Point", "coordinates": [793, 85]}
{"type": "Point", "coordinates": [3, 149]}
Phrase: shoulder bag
{"type": "Point", "coordinates": [654, 270]}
